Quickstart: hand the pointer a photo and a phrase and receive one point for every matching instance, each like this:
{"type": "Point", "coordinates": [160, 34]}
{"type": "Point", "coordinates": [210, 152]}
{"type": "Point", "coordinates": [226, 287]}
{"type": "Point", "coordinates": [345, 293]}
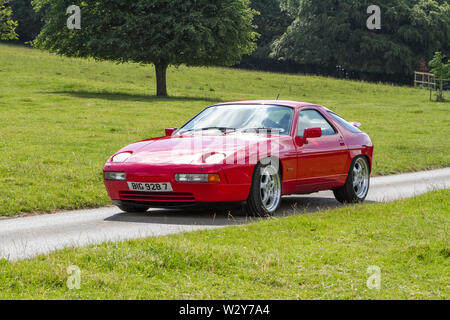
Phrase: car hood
{"type": "Point", "coordinates": [196, 149]}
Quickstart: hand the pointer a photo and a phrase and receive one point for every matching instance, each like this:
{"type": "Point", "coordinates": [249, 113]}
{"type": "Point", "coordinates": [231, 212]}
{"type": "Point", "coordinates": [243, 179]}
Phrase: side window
{"type": "Point", "coordinates": [344, 122]}
{"type": "Point", "coordinates": [313, 119]}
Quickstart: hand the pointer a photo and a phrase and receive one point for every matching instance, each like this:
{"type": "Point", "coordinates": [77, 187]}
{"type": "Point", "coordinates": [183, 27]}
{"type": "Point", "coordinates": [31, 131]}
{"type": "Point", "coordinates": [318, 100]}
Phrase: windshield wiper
{"type": "Point", "coordinates": [223, 129]}
{"type": "Point", "coordinates": [280, 130]}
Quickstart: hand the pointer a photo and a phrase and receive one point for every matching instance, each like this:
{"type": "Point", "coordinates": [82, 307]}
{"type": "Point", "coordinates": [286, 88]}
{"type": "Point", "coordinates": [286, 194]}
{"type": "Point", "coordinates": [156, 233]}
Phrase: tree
{"type": "Point", "coordinates": [7, 25]}
{"type": "Point", "coordinates": [271, 23]}
{"type": "Point", "coordinates": [440, 66]}
{"type": "Point", "coordinates": [29, 21]}
{"type": "Point", "coordinates": [162, 32]}
{"type": "Point", "coordinates": [334, 33]}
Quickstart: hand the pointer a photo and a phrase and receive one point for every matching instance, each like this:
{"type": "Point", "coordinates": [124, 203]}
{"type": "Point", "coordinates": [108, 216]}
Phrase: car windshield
{"type": "Point", "coordinates": [241, 118]}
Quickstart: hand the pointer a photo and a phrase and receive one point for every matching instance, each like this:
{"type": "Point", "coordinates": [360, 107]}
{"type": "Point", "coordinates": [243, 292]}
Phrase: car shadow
{"type": "Point", "coordinates": [120, 96]}
{"type": "Point", "coordinates": [292, 205]}
{"type": "Point", "coordinates": [179, 217]}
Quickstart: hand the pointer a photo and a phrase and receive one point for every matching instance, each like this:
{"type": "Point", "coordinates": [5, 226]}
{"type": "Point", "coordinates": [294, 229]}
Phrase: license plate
{"type": "Point", "coordinates": [150, 186]}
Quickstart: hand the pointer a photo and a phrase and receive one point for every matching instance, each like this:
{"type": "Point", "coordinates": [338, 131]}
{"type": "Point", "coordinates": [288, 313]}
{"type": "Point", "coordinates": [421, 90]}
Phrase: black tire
{"type": "Point", "coordinates": [254, 206]}
{"type": "Point", "coordinates": [130, 208]}
{"type": "Point", "coordinates": [348, 194]}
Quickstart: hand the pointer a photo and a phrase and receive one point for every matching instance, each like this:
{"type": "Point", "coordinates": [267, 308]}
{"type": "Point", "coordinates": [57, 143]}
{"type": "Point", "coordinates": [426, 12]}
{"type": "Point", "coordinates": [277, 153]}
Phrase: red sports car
{"type": "Point", "coordinates": [249, 152]}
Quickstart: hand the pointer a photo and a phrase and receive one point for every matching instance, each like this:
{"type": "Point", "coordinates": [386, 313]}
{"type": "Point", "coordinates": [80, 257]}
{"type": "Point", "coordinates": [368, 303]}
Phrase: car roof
{"type": "Point", "coordinates": [286, 103]}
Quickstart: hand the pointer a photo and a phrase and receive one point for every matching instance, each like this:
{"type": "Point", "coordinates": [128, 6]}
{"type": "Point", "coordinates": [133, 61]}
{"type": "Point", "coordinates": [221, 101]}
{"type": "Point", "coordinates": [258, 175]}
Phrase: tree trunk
{"type": "Point", "coordinates": [161, 81]}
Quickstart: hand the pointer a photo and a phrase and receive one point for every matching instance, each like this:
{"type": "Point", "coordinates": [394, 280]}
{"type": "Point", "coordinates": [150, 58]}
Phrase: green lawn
{"type": "Point", "coordinates": [60, 119]}
{"type": "Point", "coordinates": [309, 256]}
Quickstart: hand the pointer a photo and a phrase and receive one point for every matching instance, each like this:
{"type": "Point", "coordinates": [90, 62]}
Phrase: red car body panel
{"type": "Point", "coordinates": [321, 164]}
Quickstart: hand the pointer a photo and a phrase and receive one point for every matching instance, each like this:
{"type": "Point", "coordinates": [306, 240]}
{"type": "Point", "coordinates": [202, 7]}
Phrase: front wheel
{"type": "Point", "coordinates": [357, 185]}
{"type": "Point", "coordinates": [265, 192]}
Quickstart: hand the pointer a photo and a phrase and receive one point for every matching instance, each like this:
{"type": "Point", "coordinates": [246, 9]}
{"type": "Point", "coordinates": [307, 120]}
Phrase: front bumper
{"type": "Point", "coordinates": [183, 194]}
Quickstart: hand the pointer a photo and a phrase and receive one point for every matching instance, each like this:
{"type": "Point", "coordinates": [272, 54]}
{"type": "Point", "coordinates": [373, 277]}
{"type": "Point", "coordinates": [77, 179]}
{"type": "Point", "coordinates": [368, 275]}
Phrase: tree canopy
{"type": "Point", "coordinates": [7, 25]}
{"type": "Point", "coordinates": [440, 66]}
{"type": "Point", "coordinates": [271, 23]}
{"type": "Point", "coordinates": [29, 21]}
{"type": "Point", "coordinates": [162, 32]}
{"type": "Point", "coordinates": [334, 33]}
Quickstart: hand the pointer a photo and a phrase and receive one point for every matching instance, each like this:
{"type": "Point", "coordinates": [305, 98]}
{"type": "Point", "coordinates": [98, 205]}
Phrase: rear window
{"type": "Point", "coordinates": [345, 123]}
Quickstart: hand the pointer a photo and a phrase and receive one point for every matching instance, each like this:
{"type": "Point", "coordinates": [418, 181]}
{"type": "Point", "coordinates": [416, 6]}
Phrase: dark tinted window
{"type": "Point", "coordinates": [345, 123]}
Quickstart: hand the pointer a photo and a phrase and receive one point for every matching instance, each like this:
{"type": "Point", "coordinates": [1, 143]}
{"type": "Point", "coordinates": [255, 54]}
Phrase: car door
{"type": "Point", "coordinates": [321, 162]}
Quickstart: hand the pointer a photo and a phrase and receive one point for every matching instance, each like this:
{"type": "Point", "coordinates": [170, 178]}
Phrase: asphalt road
{"type": "Point", "coordinates": [26, 237]}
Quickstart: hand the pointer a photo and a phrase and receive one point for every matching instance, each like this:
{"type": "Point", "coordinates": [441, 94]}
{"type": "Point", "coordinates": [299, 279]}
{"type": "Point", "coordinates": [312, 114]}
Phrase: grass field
{"type": "Point", "coordinates": [60, 119]}
{"type": "Point", "coordinates": [309, 256]}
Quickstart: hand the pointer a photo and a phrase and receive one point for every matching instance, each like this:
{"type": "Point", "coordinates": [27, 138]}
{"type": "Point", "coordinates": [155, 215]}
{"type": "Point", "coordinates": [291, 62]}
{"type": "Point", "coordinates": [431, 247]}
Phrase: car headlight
{"type": "Point", "coordinates": [121, 157]}
{"type": "Point", "coordinates": [116, 176]}
{"type": "Point", "coordinates": [215, 158]}
{"type": "Point", "coordinates": [197, 177]}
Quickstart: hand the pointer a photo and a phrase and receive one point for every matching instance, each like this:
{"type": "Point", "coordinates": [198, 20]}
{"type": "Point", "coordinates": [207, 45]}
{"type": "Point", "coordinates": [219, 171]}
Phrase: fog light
{"type": "Point", "coordinates": [116, 176]}
{"type": "Point", "coordinates": [197, 177]}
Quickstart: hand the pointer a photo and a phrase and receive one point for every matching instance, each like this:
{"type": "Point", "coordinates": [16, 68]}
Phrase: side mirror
{"type": "Point", "coordinates": [170, 131]}
{"type": "Point", "coordinates": [309, 134]}
{"type": "Point", "coordinates": [356, 124]}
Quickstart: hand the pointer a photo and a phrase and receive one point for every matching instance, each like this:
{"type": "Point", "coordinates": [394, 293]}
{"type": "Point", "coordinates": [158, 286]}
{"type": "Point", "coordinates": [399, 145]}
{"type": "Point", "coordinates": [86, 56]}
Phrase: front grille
{"type": "Point", "coordinates": [156, 196]}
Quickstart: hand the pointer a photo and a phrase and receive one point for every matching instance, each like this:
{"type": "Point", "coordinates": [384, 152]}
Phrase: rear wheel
{"type": "Point", "coordinates": [130, 208]}
{"type": "Point", "coordinates": [265, 192]}
{"type": "Point", "coordinates": [357, 185]}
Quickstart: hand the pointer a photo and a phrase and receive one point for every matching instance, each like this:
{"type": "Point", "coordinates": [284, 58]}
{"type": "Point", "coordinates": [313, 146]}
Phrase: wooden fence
{"type": "Point", "coordinates": [424, 79]}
